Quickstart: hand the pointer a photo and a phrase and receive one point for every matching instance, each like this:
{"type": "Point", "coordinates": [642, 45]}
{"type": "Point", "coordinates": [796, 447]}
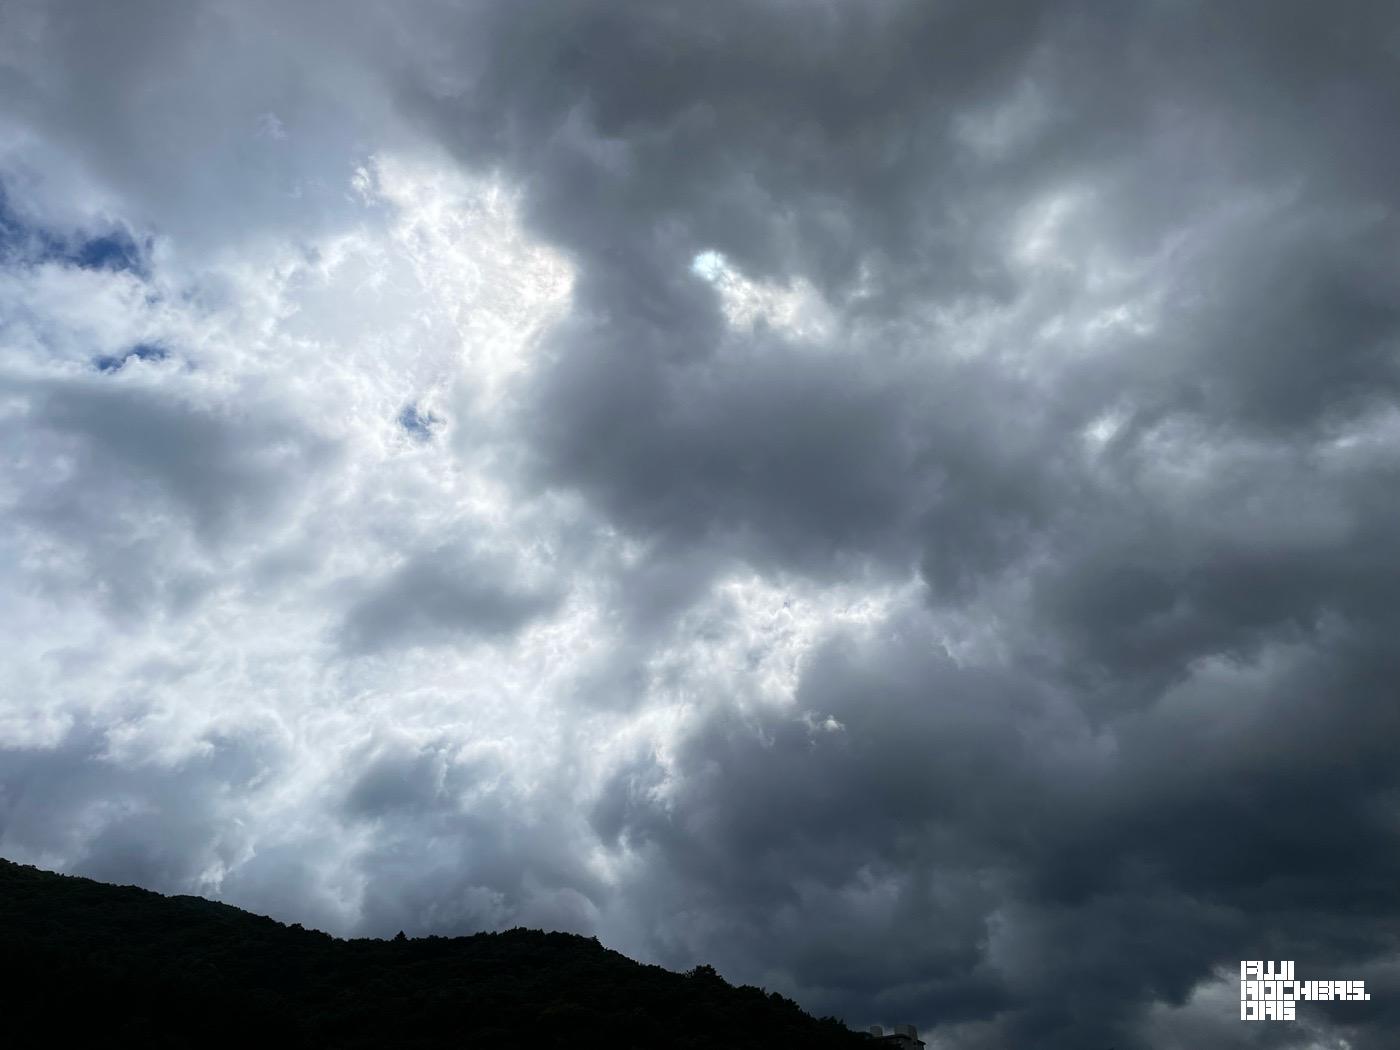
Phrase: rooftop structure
{"type": "Point", "coordinates": [902, 1037]}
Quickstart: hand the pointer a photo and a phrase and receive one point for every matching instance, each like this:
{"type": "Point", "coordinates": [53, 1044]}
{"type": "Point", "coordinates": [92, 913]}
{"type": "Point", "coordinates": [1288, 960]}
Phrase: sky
{"type": "Point", "coordinates": [887, 498]}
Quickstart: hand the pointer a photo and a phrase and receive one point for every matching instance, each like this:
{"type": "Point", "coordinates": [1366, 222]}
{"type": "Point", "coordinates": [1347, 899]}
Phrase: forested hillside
{"type": "Point", "coordinates": [120, 966]}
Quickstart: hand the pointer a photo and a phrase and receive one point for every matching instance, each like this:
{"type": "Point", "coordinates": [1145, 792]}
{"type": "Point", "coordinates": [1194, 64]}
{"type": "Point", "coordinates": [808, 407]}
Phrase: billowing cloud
{"type": "Point", "coordinates": [892, 499]}
{"type": "Point", "coordinates": [438, 597]}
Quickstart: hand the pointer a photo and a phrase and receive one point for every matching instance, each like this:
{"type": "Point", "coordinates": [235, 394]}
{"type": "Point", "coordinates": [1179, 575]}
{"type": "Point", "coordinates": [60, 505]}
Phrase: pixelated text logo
{"type": "Point", "coordinates": [1269, 991]}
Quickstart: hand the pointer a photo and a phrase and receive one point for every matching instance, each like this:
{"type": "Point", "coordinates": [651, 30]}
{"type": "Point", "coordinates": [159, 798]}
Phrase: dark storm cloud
{"type": "Point", "coordinates": [810, 138]}
{"type": "Point", "coordinates": [1111, 371]}
{"type": "Point", "coordinates": [1181, 753]}
{"type": "Point", "coordinates": [967, 844]}
{"type": "Point", "coordinates": [801, 457]}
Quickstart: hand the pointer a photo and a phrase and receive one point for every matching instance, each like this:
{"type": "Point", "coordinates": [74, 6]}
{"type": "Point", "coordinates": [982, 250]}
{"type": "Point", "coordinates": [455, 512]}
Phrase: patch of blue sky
{"type": "Point", "coordinates": [417, 423]}
{"type": "Point", "coordinates": [141, 351]}
{"type": "Point", "coordinates": [25, 241]}
{"type": "Point", "coordinates": [116, 250]}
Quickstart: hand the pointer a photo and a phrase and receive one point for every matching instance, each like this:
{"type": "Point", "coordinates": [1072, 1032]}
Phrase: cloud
{"type": "Point", "coordinates": [436, 596]}
{"type": "Point", "coordinates": [199, 462]}
{"type": "Point", "coordinates": [133, 818]}
{"type": "Point", "coordinates": [887, 498]}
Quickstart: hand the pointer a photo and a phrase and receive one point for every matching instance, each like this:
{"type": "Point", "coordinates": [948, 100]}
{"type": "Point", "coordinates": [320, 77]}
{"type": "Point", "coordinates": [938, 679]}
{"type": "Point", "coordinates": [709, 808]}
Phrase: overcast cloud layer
{"type": "Point", "coordinates": [896, 500]}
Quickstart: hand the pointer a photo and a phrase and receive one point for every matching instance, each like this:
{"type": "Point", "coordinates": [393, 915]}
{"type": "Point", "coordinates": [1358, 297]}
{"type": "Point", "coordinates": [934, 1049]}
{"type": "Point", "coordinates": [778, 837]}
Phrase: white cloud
{"type": "Point", "coordinates": [796, 309]}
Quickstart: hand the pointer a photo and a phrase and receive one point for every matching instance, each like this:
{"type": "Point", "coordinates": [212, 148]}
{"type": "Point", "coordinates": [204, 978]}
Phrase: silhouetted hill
{"type": "Point", "coordinates": [85, 963]}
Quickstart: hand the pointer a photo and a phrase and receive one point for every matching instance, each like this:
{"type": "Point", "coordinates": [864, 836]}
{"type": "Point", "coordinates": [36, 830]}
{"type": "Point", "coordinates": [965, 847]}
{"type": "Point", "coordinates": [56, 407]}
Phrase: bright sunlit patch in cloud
{"type": "Point", "coordinates": [709, 265]}
{"type": "Point", "coordinates": [438, 293]}
{"type": "Point", "coordinates": [1044, 233]}
{"type": "Point", "coordinates": [1102, 430]}
{"type": "Point", "coordinates": [290, 395]}
{"type": "Point", "coordinates": [475, 265]}
{"type": "Point", "coordinates": [796, 310]}
{"type": "Point", "coordinates": [751, 634]}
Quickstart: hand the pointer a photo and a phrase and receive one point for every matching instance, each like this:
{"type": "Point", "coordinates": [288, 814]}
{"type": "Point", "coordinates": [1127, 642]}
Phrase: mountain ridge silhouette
{"type": "Point", "coordinates": [86, 960]}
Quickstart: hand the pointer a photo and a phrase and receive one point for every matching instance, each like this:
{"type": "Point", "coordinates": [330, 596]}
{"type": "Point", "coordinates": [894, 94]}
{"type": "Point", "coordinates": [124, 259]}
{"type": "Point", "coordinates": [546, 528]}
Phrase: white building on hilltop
{"type": "Point", "coordinates": [903, 1037]}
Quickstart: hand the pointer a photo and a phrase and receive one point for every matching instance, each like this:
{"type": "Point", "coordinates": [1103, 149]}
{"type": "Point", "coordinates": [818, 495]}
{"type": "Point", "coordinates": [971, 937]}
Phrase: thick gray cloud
{"type": "Point", "coordinates": [155, 824]}
{"type": "Point", "coordinates": [894, 499]}
{"type": "Point", "coordinates": [439, 596]}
